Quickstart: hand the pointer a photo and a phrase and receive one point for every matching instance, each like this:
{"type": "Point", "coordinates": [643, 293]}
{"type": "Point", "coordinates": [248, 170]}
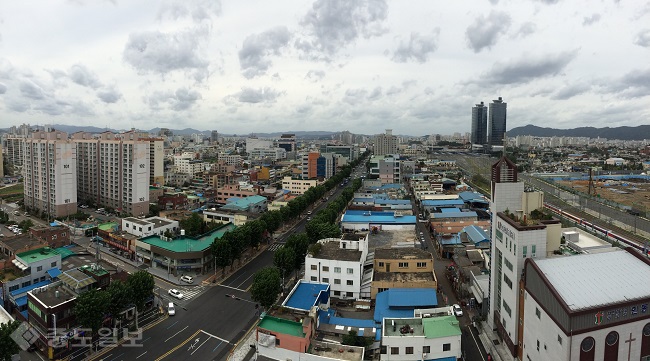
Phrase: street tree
{"type": "Point", "coordinates": [222, 254]}
{"type": "Point", "coordinates": [285, 259]}
{"type": "Point", "coordinates": [119, 295]}
{"type": "Point", "coordinates": [192, 225]}
{"type": "Point", "coordinates": [26, 225]}
{"type": "Point", "coordinates": [299, 242]}
{"type": "Point", "coordinates": [266, 286]}
{"type": "Point", "coordinates": [8, 347]}
{"type": "Point", "coordinates": [90, 309]}
{"type": "Point", "coordinates": [141, 284]}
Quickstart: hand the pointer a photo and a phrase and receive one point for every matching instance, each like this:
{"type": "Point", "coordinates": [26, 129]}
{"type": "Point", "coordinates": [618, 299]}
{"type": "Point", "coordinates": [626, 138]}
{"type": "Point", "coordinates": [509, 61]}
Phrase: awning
{"type": "Point", "coordinates": [477, 294]}
{"type": "Point", "coordinates": [54, 272]}
{"type": "Point", "coordinates": [115, 244]}
{"type": "Point", "coordinates": [76, 283]}
{"type": "Point", "coordinates": [19, 264]}
{"type": "Point", "coordinates": [21, 301]}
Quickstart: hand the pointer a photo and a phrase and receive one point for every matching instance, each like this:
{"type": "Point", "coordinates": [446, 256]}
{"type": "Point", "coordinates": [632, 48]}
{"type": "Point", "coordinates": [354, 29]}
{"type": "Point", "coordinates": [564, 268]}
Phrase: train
{"type": "Point", "coordinates": [606, 232]}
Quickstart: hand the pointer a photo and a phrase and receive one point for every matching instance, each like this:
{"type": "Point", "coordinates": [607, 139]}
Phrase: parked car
{"type": "Point", "coordinates": [458, 312]}
{"type": "Point", "coordinates": [170, 309]}
{"type": "Point", "coordinates": [188, 279]}
{"type": "Point", "coordinates": [175, 293]}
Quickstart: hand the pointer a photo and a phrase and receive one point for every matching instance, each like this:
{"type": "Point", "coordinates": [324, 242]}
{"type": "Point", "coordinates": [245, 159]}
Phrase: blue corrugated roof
{"type": "Point", "coordinates": [470, 196]}
{"type": "Point", "coordinates": [391, 186]}
{"type": "Point", "coordinates": [412, 297]}
{"type": "Point", "coordinates": [364, 200]}
{"type": "Point", "coordinates": [29, 288]}
{"type": "Point", "coordinates": [54, 272]}
{"type": "Point", "coordinates": [24, 313]}
{"type": "Point", "coordinates": [21, 301]}
{"type": "Point", "coordinates": [449, 210]}
{"type": "Point", "coordinates": [476, 234]}
{"type": "Point", "coordinates": [356, 216]}
{"type": "Point", "coordinates": [305, 295]}
{"type": "Point", "coordinates": [453, 214]}
{"type": "Point", "coordinates": [352, 322]}
{"type": "Point", "coordinates": [455, 239]}
{"type": "Point", "coordinates": [393, 201]}
{"type": "Point", "coordinates": [383, 308]}
{"type": "Point", "coordinates": [442, 202]}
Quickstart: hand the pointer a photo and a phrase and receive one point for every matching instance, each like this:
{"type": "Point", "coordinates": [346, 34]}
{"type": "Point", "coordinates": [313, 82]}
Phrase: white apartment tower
{"type": "Point", "coordinates": [49, 171]}
{"type": "Point", "coordinates": [515, 237]}
{"type": "Point", "coordinates": [385, 143]}
{"type": "Point", "coordinates": [114, 171]}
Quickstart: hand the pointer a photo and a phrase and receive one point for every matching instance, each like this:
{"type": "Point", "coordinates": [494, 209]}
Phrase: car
{"type": "Point", "coordinates": [188, 279]}
{"type": "Point", "coordinates": [175, 293]}
{"type": "Point", "coordinates": [308, 219]}
{"type": "Point", "coordinates": [170, 309]}
{"type": "Point", "coordinates": [309, 212]}
{"type": "Point", "coordinates": [458, 312]}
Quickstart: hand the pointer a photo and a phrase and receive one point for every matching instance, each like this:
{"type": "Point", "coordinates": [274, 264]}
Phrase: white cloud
{"type": "Point", "coordinates": [484, 32]}
{"type": "Point", "coordinates": [254, 56]}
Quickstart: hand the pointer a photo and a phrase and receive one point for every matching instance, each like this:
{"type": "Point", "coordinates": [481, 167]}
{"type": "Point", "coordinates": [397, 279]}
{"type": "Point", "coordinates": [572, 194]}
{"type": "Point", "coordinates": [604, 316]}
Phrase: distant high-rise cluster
{"type": "Point", "coordinates": [489, 123]}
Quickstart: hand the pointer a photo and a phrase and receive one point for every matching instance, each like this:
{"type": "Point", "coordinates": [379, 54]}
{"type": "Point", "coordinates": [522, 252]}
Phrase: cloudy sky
{"type": "Point", "coordinates": [359, 65]}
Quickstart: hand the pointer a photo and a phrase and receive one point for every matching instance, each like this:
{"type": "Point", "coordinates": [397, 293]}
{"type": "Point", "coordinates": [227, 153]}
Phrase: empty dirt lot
{"type": "Point", "coordinates": [633, 192]}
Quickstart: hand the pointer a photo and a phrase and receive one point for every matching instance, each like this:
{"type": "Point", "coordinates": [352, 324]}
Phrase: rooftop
{"type": "Point", "coordinates": [402, 253]}
{"type": "Point", "coordinates": [599, 279]}
{"type": "Point", "coordinates": [188, 244]}
{"type": "Point", "coordinates": [332, 250]}
{"type": "Point", "coordinates": [404, 276]}
{"type": "Point", "coordinates": [281, 326]}
{"type": "Point", "coordinates": [76, 279]}
{"type": "Point", "coordinates": [110, 226]}
{"type": "Point", "coordinates": [305, 295]}
{"type": "Point", "coordinates": [53, 295]}
{"type": "Point", "coordinates": [332, 351]}
{"type": "Point", "coordinates": [141, 222]}
{"type": "Point", "coordinates": [442, 326]}
{"type": "Point", "coordinates": [358, 216]}
{"type": "Point", "coordinates": [37, 255]}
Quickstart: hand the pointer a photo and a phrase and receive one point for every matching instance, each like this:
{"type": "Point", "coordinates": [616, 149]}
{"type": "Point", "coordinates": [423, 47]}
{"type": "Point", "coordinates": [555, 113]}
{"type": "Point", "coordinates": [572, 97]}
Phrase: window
{"type": "Point", "coordinates": [533, 250]}
{"type": "Point", "coordinates": [559, 339]}
{"type": "Point", "coordinates": [326, 280]}
{"type": "Point", "coordinates": [380, 264]}
{"type": "Point", "coordinates": [426, 349]}
{"type": "Point", "coordinates": [507, 308]}
{"type": "Point", "coordinates": [337, 281]}
{"type": "Point", "coordinates": [337, 269]}
{"type": "Point", "coordinates": [313, 278]}
{"type": "Point", "coordinates": [403, 265]}
{"type": "Point", "coordinates": [507, 281]}
{"type": "Point", "coordinates": [409, 350]}
{"type": "Point", "coordinates": [585, 346]}
{"type": "Point", "coordinates": [349, 282]}
{"type": "Point", "coordinates": [314, 267]}
{"type": "Point", "coordinates": [421, 264]}
{"type": "Point", "coordinates": [380, 289]}
{"type": "Point", "coordinates": [525, 250]}
{"type": "Point", "coordinates": [349, 294]}
{"type": "Point", "coordinates": [384, 350]}
{"type": "Point", "coordinates": [394, 350]}
{"type": "Point", "coordinates": [508, 264]}
{"type": "Point", "coordinates": [326, 268]}
{"type": "Point", "coordinates": [337, 293]}
{"type": "Point", "coordinates": [350, 271]}
{"type": "Point", "coordinates": [446, 347]}
{"type": "Point", "coordinates": [53, 264]}
{"type": "Point", "coordinates": [538, 313]}
{"type": "Point", "coordinates": [277, 341]}
{"type": "Point", "coordinates": [537, 345]}
{"type": "Point", "coordinates": [39, 268]}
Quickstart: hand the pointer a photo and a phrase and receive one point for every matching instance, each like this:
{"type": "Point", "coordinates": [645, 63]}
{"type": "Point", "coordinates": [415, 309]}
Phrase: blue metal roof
{"type": "Point", "coordinates": [305, 295]}
{"type": "Point", "coordinates": [476, 234]}
{"type": "Point", "coordinates": [29, 288]}
{"type": "Point", "coordinates": [407, 299]}
{"type": "Point", "coordinates": [54, 272]}
{"type": "Point", "coordinates": [393, 201]}
{"type": "Point", "coordinates": [364, 200]}
{"type": "Point", "coordinates": [391, 186]}
{"type": "Point", "coordinates": [450, 210]}
{"type": "Point", "coordinates": [442, 202]}
{"type": "Point", "coordinates": [470, 196]}
{"type": "Point", "coordinates": [352, 322]}
{"type": "Point", "coordinates": [454, 239]}
{"type": "Point", "coordinates": [357, 216]}
{"type": "Point", "coordinates": [21, 301]}
{"type": "Point", "coordinates": [453, 214]}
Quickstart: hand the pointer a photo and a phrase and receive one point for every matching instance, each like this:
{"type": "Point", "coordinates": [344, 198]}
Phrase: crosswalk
{"type": "Point", "coordinates": [191, 292]}
{"type": "Point", "coordinates": [275, 246]}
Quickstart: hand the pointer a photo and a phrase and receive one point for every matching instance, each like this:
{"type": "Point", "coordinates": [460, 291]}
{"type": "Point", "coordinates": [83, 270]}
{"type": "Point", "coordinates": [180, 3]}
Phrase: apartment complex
{"type": "Point", "coordinates": [114, 170]}
{"type": "Point", "coordinates": [14, 149]}
{"type": "Point", "coordinates": [385, 143]}
{"type": "Point", "coordinates": [50, 170]}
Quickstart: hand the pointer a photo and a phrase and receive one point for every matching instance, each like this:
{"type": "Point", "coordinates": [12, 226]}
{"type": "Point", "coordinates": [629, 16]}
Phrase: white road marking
{"type": "Point", "coordinates": [217, 337]}
{"type": "Point", "coordinates": [170, 337]}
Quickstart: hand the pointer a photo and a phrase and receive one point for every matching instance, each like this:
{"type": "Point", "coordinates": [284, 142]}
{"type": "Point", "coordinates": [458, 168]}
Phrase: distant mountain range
{"type": "Point", "coordinates": [640, 132]}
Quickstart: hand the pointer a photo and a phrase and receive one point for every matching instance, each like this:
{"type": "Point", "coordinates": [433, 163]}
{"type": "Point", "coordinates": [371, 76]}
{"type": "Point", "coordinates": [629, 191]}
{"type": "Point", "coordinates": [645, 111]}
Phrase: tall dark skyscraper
{"type": "Point", "coordinates": [479, 124]}
{"type": "Point", "coordinates": [497, 124]}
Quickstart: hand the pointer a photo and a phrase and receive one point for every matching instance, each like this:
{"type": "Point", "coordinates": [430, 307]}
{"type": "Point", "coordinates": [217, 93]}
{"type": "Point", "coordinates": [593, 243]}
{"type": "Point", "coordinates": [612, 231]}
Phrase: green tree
{"type": "Point", "coordinates": [8, 346]}
{"type": "Point", "coordinates": [141, 284]}
{"type": "Point", "coordinates": [90, 309]}
{"type": "Point", "coordinates": [353, 339]}
{"type": "Point", "coordinates": [119, 295]}
{"type": "Point", "coordinates": [192, 225]}
{"type": "Point", "coordinates": [299, 243]}
{"type": "Point", "coordinates": [26, 225]}
{"type": "Point", "coordinates": [284, 259]}
{"type": "Point", "coordinates": [154, 210]}
{"type": "Point", "coordinates": [222, 254]}
{"type": "Point", "coordinates": [266, 286]}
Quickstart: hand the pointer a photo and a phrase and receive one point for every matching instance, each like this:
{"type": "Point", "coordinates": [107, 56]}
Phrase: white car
{"type": "Point", "coordinates": [187, 279]}
{"type": "Point", "coordinates": [175, 293]}
{"type": "Point", "coordinates": [458, 312]}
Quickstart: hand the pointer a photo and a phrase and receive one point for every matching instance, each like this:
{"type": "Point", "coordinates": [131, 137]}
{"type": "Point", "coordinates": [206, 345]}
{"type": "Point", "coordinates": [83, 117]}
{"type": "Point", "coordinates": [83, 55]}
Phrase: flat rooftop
{"type": "Point", "coordinates": [188, 244]}
{"type": "Point", "coordinates": [391, 238]}
{"type": "Point", "coordinates": [429, 327]}
{"type": "Point", "coordinates": [141, 222]}
{"type": "Point", "coordinates": [37, 255]}
{"type": "Point", "coordinates": [332, 351]}
{"type": "Point", "coordinates": [332, 250]}
{"type": "Point", "coordinates": [402, 253]}
{"type": "Point", "coordinates": [50, 297]}
{"type": "Point", "coordinates": [304, 295]}
{"type": "Point", "coordinates": [404, 277]}
{"type": "Point", "coordinates": [282, 326]}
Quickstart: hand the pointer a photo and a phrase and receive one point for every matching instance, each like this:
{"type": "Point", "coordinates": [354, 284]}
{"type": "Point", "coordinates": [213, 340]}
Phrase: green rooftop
{"type": "Point", "coordinates": [36, 255]}
{"type": "Point", "coordinates": [443, 326]}
{"type": "Point", "coordinates": [107, 226]}
{"type": "Point", "coordinates": [282, 326]}
{"type": "Point", "coordinates": [188, 244]}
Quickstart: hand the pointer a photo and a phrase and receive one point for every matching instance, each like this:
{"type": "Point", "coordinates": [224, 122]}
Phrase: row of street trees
{"type": "Point", "coordinates": [267, 282]}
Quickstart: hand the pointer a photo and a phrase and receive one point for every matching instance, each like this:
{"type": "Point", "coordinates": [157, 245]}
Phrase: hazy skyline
{"type": "Point", "coordinates": [417, 67]}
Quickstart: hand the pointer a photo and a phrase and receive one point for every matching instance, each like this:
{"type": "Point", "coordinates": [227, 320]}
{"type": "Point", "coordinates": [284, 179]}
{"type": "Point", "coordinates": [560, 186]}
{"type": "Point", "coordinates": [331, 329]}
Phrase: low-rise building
{"type": "Point", "coordinates": [402, 268]}
{"type": "Point", "coordinates": [148, 226]}
{"type": "Point", "coordinates": [416, 338]}
{"type": "Point", "coordinates": [298, 186]}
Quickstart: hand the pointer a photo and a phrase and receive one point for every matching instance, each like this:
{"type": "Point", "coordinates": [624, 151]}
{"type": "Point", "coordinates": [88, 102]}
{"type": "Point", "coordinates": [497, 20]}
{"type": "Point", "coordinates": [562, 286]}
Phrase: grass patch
{"type": "Point", "coordinates": [12, 189]}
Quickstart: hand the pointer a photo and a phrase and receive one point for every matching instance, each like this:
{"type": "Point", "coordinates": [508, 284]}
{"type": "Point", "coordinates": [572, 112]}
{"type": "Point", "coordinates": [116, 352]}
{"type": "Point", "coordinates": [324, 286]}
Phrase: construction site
{"type": "Point", "coordinates": [632, 193]}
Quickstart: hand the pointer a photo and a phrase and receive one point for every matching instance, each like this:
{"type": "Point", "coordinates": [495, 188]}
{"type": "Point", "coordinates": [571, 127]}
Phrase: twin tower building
{"type": "Point", "coordinates": [489, 133]}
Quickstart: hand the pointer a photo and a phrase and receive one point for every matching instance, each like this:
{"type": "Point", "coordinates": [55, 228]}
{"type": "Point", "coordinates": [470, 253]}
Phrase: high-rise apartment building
{"type": "Point", "coordinates": [2, 166]}
{"type": "Point", "coordinates": [385, 143]}
{"type": "Point", "coordinates": [214, 136]}
{"type": "Point", "coordinates": [14, 148]}
{"type": "Point", "coordinates": [49, 171]}
{"type": "Point", "coordinates": [114, 171]}
{"type": "Point", "coordinates": [497, 122]}
{"type": "Point", "coordinates": [479, 124]}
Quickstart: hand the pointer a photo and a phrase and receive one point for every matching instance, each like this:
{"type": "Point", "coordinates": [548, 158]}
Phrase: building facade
{"type": "Point", "coordinates": [50, 171]}
{"type": "Point", "coordinates": [385, 143]}
{"type": "Point", "coordinates": [298, 186]}
{"type": "Point", "coordinates": [497, 122]}
{"type": "Point", "coordinates": [479, 124]}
